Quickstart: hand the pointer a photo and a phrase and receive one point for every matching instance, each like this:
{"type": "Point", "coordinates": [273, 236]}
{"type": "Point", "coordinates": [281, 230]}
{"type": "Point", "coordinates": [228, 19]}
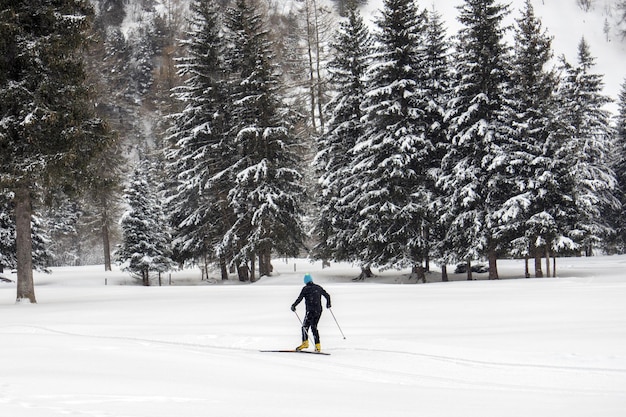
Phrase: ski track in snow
{"type": "Point", "coordinates": [449, 359]}
{"type": "Point", "coordinates": [335, 365]}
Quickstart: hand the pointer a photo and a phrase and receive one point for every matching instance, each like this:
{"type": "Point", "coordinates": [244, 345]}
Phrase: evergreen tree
{"type": "Point", "coordinates": [334, 226]}
{"type": "Point", "coordinates": [389, 159]}
{"type": "Point", "coordinates": [39, 236]}
{"type": "Point", "coordinates": [527, 214]}
{"type": "Point", "coordinates": [619, 166]}
{"type": "Point", "coordinates": [145, 246]}
{"type": "Point", "coordinates": [7, 233]}
{"type": "Point", "coordinates": [62, 217]}
{"type": "Point", "coordinates": [475, 163]}
{"type": "Point", "coordinates": [200, 155]}
{"type": "Point", "coordinates": [438, 85]}
{"type": "Point", "coordinates": [587, 148]}
{"type": "Point", "coordinates": [48, 132]}
{"type": "Point", "coordinates": [268, 192]}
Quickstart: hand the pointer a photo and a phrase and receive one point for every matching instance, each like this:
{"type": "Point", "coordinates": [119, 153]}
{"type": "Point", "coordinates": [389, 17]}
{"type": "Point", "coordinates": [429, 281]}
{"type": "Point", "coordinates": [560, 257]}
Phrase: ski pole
{"type": "Point", "coordinates": [333, 314]}
{"type": "Point", "coordinates": [296, 313]}
{"type": "Point", "coordinates": [301, 323]}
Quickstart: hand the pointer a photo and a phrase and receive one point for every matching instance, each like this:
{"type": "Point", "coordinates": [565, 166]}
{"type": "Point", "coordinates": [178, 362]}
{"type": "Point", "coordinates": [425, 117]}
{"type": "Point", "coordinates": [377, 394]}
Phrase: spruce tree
{"type": "Point", "coordinates": [587, 147]}
{"type": "Point", "coordinates": [7, 233]}
{"type": "Point", "coordinates": [526, 214]}
{"type": "Point", "coordinates": [268, 191]}
{"type": "Point", "coordinates": [42, 255]}
{"type": "Point", "coordinates": [475, 163]}
{"type": "Point", "coordinates": [145, 245]}
{"type": "Point", "coordinates": [63, 216]}
{"type": "Point", "coordinates": [199, 155]}
{"type": "Point", "coordinates": [335, 226]}
{"type": "Point", "coordinates": [390, 157]}
{"type": "Point", "coordinates": [438, 85]}
{"type": "Point", "coordinates": [48, 132]}
{"type": "Point", "coordinates": [619, 166]}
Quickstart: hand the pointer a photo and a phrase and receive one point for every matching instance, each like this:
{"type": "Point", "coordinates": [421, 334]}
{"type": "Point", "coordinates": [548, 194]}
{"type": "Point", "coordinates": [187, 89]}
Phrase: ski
{"type": "Point", "coordinates": [296, 351]}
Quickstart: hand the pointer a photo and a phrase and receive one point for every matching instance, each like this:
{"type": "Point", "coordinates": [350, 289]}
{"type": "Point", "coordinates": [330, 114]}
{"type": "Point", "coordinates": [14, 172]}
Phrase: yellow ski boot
{"type": "Point", "coordinates": [318, 347]}
{"type": "Point", "coordinates": [304, 345]}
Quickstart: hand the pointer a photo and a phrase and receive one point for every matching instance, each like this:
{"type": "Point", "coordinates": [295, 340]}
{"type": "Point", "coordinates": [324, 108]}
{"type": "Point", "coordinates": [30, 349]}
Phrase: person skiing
{"type": "Point", "coordinates": [312, 294]}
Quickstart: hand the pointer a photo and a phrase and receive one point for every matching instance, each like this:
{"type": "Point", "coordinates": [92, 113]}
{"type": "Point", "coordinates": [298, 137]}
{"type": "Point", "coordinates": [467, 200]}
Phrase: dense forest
{"type": "Point", "coordinates": [220, 134]}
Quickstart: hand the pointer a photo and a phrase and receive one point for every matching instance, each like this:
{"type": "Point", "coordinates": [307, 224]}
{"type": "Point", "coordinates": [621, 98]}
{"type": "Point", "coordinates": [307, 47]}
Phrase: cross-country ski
{"type": "Point", "coordinates": [296, 351]}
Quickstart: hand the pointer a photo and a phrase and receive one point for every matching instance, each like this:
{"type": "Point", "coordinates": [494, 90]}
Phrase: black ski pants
{"type": "Point", "coordinates": [310, 321]}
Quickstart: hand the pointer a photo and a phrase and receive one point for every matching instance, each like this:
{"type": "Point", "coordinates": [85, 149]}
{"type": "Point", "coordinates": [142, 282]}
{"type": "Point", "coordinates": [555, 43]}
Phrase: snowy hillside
{"type": "Point", "coordinates": [567, 23]}
{"type": "Point", "coordinates": [514, 348]}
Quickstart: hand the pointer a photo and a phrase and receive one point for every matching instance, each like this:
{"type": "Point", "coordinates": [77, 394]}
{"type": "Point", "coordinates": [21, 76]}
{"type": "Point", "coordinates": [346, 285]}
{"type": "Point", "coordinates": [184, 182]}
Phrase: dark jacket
{"type": "Point", "coordinates": [312, 294]}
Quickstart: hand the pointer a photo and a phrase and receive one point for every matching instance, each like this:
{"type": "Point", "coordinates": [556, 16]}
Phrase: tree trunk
{"type": "Point", "coordinates": [309, 41]}
{"type": "Point", "coordinates": [493, 264]}
{"type": "Point", "coordinates": [145, 275]}
{"type": "Point", "coordinates": [318, 66]}
{"type": "Point", "coordinates": [268, 263]}
{"type": "Point", "coordinates": [444, 273]}
{"type": "Point", "coordinates": [223, 268]}
{"type": "Point", "coordinates": [538, 270]}
{"type": "Point", "coordinates": [106, 244]}
{"type": "Point", "coordinates": [265, 262]}
{"type": "Point", "coordinates": [418, 272]}
{"type": "Point", "coordinates": [526, 267]}
{"type": "Point", "coordinates": [24, 245]}
{"type": "Point", "coordinates": [243, 272]}
{"type": "Point", "coordinates": [547, 261]}
{"type": "Point", "coordinates": [252, 268]}
{"type": "Point", "coordinates": [469, 270]}
{"type": "Point", "coordinates": [262, 269]}
{"type": "Point", "coordinates": [366, 272]}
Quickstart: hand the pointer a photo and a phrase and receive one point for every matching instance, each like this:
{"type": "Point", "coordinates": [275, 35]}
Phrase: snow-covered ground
{"type": "Point", "coordinates": [514, 347]}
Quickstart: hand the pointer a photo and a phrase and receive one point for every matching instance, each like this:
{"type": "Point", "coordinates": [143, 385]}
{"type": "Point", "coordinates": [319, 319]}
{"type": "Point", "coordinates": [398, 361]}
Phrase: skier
{"type": "Point", "coordinates": [312, 294]}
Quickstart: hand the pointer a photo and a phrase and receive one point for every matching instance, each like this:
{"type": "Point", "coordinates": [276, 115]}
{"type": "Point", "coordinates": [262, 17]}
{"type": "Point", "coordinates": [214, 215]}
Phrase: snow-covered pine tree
{"type": "Point", "coordinates": [40, 238]}
{"type": "Point", "coordinates": [48, 131]}
{"type": "Point", "coordinates": [621, 116]}
{"type": "Point", "coordinates": [619, 166]}
{"type": "Point", "coordinates": [268, 190]}
{"type": "Point", "coordinates": [474, 167]}
{"type": "Point", "coordinates": [391, 157]}
{"type": "Point", "coordinates": [335, 226]}
{"type": "Point", "coordinates": [7, 232]}
{"type": "Point", "coordinates": [42, 255]}
{"type": "Point", "coordinates": [526, 215]}
{"type": "Point", "coordinates": [588, 144]}
{"type": "Point", "coordinates": [145, 245]}
{"type": "Point", "coordinates": [62, 218]}
{"type": "Point", "coordinates": [200, 157]}
{"type": "Point", "coordinates": [438, 84]}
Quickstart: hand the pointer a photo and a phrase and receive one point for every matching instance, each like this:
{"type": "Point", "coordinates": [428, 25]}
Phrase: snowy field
{"type": "Point", "coordinates": [513, 347]}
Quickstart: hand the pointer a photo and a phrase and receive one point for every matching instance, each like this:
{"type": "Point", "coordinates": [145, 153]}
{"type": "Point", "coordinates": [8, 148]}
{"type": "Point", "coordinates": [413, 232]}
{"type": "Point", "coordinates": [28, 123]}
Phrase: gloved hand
{"type": "Point", "coordinates": [293, 308]}
{"type": "Point", "coordinates": [327, 305]}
